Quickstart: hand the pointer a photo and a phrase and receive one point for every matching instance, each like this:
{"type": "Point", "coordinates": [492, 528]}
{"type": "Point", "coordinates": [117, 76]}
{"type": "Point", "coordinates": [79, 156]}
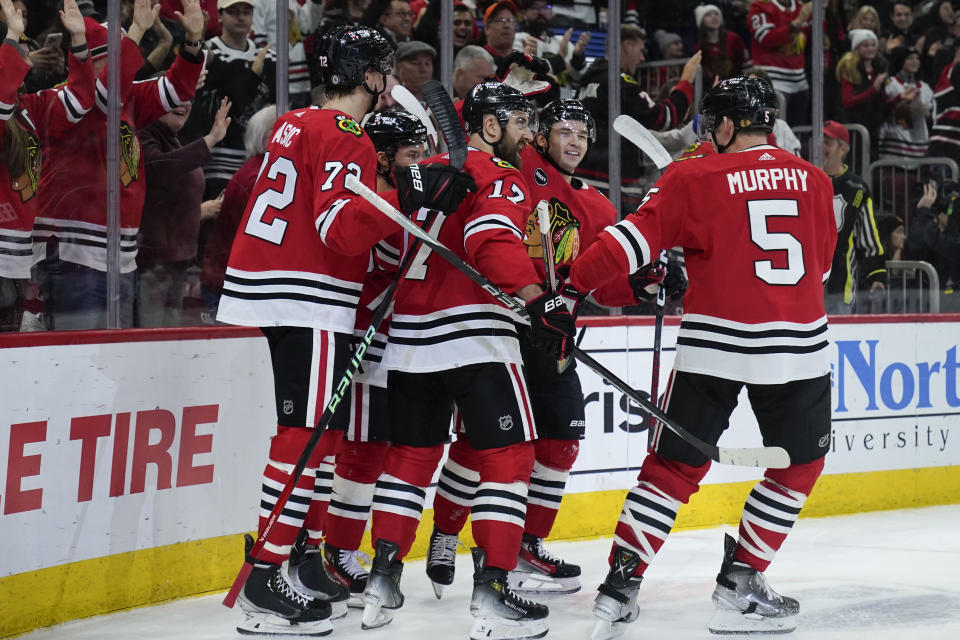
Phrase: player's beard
{"type": "Point", "coordinates": [509, 148]}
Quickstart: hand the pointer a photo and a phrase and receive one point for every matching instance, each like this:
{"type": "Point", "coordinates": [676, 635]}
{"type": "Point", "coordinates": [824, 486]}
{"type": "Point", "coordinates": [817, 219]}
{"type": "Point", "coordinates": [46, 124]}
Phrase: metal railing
{"type": "Point", "coordinates": [859, 158]}
{"type": "Point", "coordinates": [893, 182]}
{"type": "Point", "coordinates": [911, 297]}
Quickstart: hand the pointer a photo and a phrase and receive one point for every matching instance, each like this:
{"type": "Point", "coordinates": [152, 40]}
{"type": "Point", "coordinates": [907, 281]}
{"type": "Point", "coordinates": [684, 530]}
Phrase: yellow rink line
{"type": "Point", "coordinates": [103, 585]}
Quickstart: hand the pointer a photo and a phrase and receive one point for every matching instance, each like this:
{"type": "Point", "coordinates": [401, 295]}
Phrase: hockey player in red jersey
{"type": "Point", "coordinates": [72, 219]}
{"type": "Point", "coordinates": [296, 270]}
{"type": "Point", "coordinates": [578, 212]}
{"type": "Point", "coordinates": [757, 257]}
{"type": "Point", "coordinates": [451, 345]}
{"type": "Point", "coordinates": [399, 139]}
{"type": "Point", "coordinates": [25, 120]}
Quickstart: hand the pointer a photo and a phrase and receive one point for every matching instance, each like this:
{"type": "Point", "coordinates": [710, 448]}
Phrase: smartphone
{"type": "Point", "coordinates": [53, 40]}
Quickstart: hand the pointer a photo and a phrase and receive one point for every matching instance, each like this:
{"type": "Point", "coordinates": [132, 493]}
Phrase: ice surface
{"type": "Point", "coordinates": [892, 575]}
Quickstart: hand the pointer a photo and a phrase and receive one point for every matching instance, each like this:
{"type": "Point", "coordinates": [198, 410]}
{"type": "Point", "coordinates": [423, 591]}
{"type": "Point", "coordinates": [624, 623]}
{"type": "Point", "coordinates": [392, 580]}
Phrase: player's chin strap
{"type": "Point", "coordinates": [374, 94]}
{"type": "Point", "coordinates": [719, 147]}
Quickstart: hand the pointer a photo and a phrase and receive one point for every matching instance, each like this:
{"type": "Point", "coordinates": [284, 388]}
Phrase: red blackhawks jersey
{"type": "Point", "coordinates": [72, 195]}
{"type": "Point", "coordinates": [758, 234]}
{"type": "Point", "coordinates": [578, 212]}
{"type": "Point", "coordinates": [302, 248]}
{"type": "Point", "coordinates": [50, 111]}
{"type": "Point", "coordinates": [442, 319]}
{"type": "Point", "coordinates": [776, 49]}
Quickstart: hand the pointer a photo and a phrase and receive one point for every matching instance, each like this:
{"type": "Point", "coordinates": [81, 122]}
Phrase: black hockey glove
{"type": "Point", "coordinates": [552, 326]}
{"type": "Point", "coordinates": [674, 283]}
{"type": "Point", "coordinates": [434, 186]}
{"type": "Point", "coordinates": [645, 281]}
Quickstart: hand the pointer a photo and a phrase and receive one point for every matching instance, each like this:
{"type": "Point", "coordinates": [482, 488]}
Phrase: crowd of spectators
{"type": "Point", "coordinates": [191, 153]}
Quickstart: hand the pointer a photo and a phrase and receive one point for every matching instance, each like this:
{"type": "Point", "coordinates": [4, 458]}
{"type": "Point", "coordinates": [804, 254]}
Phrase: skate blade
{"type": "Point", "coordinates": [606, 630]}
{"type": "Point", "coordinates": [355, 601]}
{"type": "Point", "coordinates": [504, 629]}
{"type": "Point", "coordinates": [264, 624]}
{"type": "Point", "coordinates": [374, 616]}
{"type": "Point", "coordinates": [538, 584]}
{"type": "Point", "coordinates": [726, 621]}
{"type": "Point", "coordinates": [338, 610]}
{"type": "Point", "coordinates": [438, 589]}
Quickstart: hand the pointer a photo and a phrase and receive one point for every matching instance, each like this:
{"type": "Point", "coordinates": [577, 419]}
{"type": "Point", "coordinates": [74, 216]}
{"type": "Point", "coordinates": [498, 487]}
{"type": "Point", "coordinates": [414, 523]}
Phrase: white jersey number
{"type": "Point", "coordinates": [516, 197]}
{"type": "Point", "coordinates": [418, 268]}
{"type": "Point", "coordinates": [760, 211]}
{"type": "Point", "coordinates": [272, 199]}
{"type": "Point", "coordinates": [334, 168]}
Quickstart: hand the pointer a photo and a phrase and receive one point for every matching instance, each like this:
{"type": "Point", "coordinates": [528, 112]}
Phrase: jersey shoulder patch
{"type": "Point", "coordinates": [348, 125]}
{"type": "Point", "coordinates": [503, 164]}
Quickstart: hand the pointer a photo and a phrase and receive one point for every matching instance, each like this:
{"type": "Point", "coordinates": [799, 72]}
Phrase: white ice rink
{"type": "Point", "coordinates": [892, 575]}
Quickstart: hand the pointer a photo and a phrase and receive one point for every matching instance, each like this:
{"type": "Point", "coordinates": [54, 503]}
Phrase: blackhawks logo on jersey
{"type": "Point", "coordinates": [26, 183]}
{"type": "Point", "coordinates": [503, 164]}
{"type": "Point", "coordinates": [129, 154]}
{"type": "Point", "coordinates": [349, 125]}
{"type": "Point", "coordinates": [564, 231]}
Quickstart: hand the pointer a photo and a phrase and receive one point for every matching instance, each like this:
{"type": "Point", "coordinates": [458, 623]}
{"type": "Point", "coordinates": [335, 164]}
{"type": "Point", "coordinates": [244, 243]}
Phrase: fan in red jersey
{"type": "Point", "coordinates": [451, 346]}
{"type": "Point", "coordinates": [578, 212]}
{"type": "Point", "coordinates": [399, 139]}
{"type": "Point", "coordinates": [757, 258]}
{"type": "Point", "coordinates": [71, 221]}
{"type": "Point", "coordinates": [24, 121]}
{"type": "Point", "coordinates": [296, 270]}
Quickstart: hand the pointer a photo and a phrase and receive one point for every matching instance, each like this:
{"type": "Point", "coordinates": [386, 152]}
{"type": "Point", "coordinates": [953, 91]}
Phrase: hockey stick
{"type": "Point", "coordinates": [769, 457]}
{"type": "Point", "coordinates": [456, 141]}
{"type": "Point", "coordinates": [641, 137]}
{"type": "Point", "coordinates": [409, 102]}
{"type": "Point", "coordinates": [549, 261]}
{"type": "Point", "coordinates": [657, 336]}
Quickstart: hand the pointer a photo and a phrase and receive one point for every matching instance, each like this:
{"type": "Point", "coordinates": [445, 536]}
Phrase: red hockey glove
{"type": "Point", "coordinates": [434, 186]}
{"type": "Point", "coordinates": [552, 326]}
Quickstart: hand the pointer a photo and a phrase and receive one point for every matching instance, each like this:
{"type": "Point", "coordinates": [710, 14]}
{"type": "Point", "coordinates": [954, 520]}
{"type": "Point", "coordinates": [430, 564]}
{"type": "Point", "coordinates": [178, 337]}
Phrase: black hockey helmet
{"type": "Point", "coordinates": [567, 109]}
{"type": "Point", "coordinates": [749, 102]}
{"type": "Point", "coordinates": [497, 99]}
{"type": "Point", "coordinates": [344, 54]}
{"type": "Point", "coordinates": [393, 128]}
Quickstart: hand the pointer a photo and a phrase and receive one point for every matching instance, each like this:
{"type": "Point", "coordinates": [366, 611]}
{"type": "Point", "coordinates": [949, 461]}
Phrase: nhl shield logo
{"type": "Point", "coordinates": [540, 177]}
{"type": "Point", "coordinates": [287, 407]}
{"type": "Point", "coordinates": [506, 422]}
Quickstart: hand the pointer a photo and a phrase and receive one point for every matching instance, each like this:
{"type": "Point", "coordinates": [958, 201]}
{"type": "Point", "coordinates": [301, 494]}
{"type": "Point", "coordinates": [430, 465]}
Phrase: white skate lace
{"type": "Point", "coordinates": [351, 562]}
{"type": "Point", "coordinates": [443, 549]}
{"type": "Point", "coordinates": [284, 587]}
{"type": "Point", "coordinates": [543, 554]}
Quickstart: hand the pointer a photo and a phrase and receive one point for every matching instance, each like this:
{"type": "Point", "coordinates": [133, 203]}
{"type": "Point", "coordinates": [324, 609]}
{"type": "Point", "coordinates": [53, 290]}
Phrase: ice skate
{"type": "Point", "coordinates": [441, 560]}
{"type": "Point", "coordinates": [382, 593]}
{"type": "Point", "coordinates": [499, 613]}
{"type": "Point", "coordinates": [616, 604]}
{"type": "Point", "coordinates": [541, 573]}
{"type": "Point", "coordinates": [745, 602]}
{"type": "Point", "coordinates": [344, 566]}
{"type": "Point", "coordinates": [309, 576]}
{"type": "Point", "coordinates": [272, 606]}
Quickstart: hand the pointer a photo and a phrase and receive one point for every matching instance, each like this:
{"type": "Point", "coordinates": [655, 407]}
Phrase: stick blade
{"type": "Point", "coordinates": [443, 110]}
{"type": "Point", "coordinates": [410, 103]}
{"type": "Point", "coordinates": [231, 598]}
{"type": "Point", "coordinates": [763, 457]}
{"type": "Point", "coordinates": [641, 137]}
